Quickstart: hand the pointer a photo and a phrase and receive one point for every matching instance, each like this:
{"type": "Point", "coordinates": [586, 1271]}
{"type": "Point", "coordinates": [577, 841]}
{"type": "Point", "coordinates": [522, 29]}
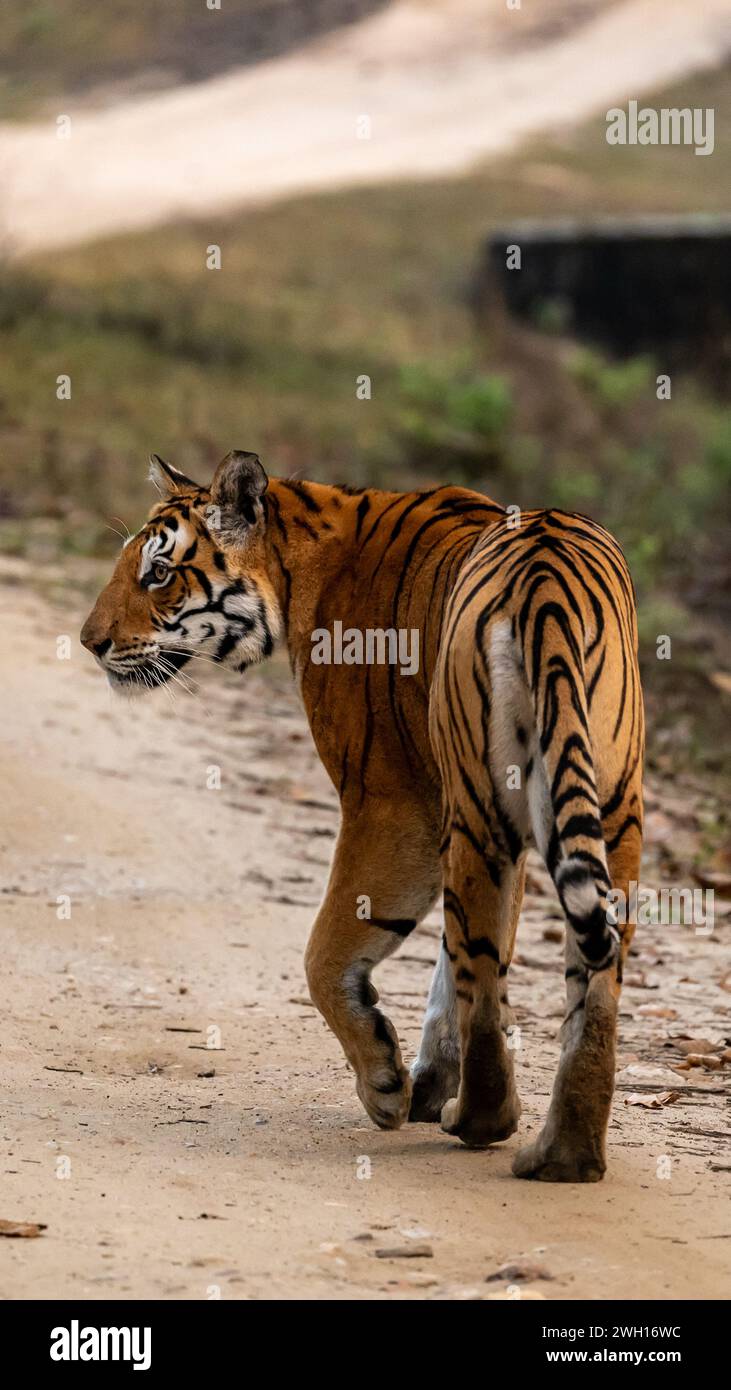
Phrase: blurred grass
{"type": "Point", "coordinates": [50, 48]}
{"type": "Point", "coordinates": [165, 355]}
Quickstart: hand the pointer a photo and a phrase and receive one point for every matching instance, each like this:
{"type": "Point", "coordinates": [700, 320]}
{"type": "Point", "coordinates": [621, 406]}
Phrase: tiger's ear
{"type": "Point", "coordinates": [169, 481]}
{"type": "Point", "coordinates": [239, 483]}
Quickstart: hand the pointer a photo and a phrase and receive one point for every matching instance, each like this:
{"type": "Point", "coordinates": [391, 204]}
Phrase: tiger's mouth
{"type": "Point", "coordinates": [147, 673]}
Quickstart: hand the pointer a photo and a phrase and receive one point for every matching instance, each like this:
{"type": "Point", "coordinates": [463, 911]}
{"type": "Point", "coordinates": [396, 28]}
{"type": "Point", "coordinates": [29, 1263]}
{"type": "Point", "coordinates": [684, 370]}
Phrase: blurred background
{"type": "Point", "coordinates": [360, 164]}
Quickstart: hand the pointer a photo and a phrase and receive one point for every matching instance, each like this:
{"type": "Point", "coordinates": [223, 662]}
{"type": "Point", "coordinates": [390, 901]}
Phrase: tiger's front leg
{"type": "Point", "coordinates": [385, 877]}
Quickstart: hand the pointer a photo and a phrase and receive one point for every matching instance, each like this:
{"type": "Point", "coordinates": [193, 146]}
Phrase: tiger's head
{"type": "Point", "coordinates": [192, 582]}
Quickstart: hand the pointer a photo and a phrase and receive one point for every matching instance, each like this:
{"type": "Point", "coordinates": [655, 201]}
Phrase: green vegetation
{"type": "Point", "coordinates": [165, 355]}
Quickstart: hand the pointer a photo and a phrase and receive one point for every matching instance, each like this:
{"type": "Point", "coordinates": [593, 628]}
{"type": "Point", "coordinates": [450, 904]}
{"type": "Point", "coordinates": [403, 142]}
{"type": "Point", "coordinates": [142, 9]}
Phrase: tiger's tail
{"type": "Point", "coordinates": [571, 836]}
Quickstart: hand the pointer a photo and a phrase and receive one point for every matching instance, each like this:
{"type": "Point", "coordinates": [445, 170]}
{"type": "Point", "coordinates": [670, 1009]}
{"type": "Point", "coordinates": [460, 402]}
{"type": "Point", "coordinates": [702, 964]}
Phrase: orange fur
{"type": "Point", "coordinates": [519, 724]}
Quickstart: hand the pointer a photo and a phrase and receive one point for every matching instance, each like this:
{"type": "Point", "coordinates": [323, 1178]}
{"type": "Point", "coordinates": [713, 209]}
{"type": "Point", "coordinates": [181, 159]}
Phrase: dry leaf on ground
{"type": "Point", "coordinates": [26, 1229]}
{"type": "Point", "coordinates": [654, 1101]}
{"type": "Point", "coordinates": [713, 878]}
{"type": "Point", "coordinates": [405, 1252]}
{"type": "Point", "coordinates": [696, 1046]}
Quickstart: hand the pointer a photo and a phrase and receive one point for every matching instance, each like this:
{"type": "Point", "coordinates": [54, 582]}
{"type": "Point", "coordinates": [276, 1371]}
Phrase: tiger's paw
{"type": "Point", "coordinates": [433, 1085]}
{"type": "Point", "coordinates": [480, 1131]}
{"type": "Point", "coordinates": [386, 1102]}
{"type": "Point", "coordinates": [557, 1161]}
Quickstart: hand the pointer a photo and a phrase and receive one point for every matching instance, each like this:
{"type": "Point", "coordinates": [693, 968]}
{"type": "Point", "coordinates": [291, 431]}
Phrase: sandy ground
{"type": "Point", "coordinates": [239, 1171]}
{"type": "Point", "coordinates": [443, 84]}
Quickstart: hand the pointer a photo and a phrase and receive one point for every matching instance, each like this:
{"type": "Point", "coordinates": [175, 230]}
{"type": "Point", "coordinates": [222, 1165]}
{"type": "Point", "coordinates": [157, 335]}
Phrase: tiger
{"type": "Point", "coordinates": [519, 727]}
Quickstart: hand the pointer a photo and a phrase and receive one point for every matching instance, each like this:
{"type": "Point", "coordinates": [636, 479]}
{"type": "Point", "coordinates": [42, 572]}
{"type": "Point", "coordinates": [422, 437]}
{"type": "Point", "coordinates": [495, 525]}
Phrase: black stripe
{"type": "Point", "coordinates": [400, 926]}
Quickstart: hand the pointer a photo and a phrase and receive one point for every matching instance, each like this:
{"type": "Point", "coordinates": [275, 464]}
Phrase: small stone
{"type": "Point", "coordinates": [517, 1271]}
{"type": "Point", "coordinates": [504, 1296]}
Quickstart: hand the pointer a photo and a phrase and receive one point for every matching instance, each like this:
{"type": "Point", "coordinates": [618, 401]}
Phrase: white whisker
{"type": "Point", "coordinates": [185, 681]}
{"type": "Point", "coordinates": [193, 656]}
{"type": "Point", "coordinates": [154, 684]}
{"type": "Point", "coordinates": [167, 671]}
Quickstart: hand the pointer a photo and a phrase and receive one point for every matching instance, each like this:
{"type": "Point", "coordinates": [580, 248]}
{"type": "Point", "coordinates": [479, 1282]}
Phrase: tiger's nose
{"type": "Point", "coordinates": [92, 643]}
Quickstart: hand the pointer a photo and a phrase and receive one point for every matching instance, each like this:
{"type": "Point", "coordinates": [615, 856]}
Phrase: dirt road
{"type": "Point", "coordinates": [441, 86]}
{"type": "Point", "coordinates": [169, 1168]}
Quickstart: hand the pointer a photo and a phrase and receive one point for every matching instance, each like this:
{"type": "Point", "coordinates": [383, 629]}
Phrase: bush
{"type": "Point", "coordinates": [454, 424]}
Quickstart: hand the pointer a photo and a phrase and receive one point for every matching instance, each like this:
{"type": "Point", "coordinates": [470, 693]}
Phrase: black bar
{"type": "Point", "coordinates": [192, 1339]}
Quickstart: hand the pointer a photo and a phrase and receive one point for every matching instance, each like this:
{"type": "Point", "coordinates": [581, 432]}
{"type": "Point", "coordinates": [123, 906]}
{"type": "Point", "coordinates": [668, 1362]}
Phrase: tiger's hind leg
{"type": "Point", "coordinates": [481, 906]}
{"type": "Point", "coordinates": [436, 1071]}
{"type": "Point", "coordinates": [384, 879]}
{"type": "Point", "coordinates": [572, 1144]}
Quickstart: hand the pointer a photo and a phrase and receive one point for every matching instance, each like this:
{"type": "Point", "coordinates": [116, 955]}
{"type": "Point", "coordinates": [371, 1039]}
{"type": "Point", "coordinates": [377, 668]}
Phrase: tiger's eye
{"type": "Point", "coordinates": [160, 570]}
